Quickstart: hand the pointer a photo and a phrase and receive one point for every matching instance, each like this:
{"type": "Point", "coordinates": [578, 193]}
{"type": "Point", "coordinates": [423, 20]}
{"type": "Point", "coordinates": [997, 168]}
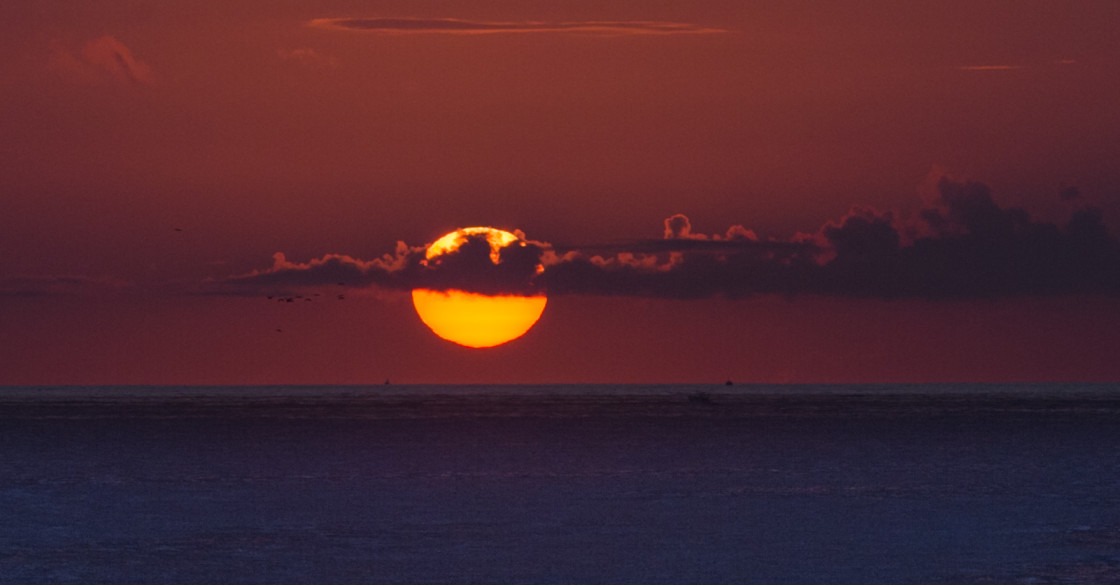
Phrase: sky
{"type": "Point", "coordinates": [771, 191]}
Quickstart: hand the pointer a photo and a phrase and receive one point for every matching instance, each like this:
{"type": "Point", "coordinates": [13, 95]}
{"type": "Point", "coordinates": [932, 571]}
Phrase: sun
{"type": "Point", "coordinates": [473, 319]}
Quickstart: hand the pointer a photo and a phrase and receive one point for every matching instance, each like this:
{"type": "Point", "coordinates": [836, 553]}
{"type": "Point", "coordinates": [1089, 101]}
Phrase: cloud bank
{"type": "Point", "coordinates": [474, 27]}
{"type": "Point", "coordinates": [470, 268]}
{"type": "Point", "coordinates": [962, 245]}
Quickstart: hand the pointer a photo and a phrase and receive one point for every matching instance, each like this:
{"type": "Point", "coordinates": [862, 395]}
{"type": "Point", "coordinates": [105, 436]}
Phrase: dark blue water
{"type": "Point", "coordinates": [576, 484]}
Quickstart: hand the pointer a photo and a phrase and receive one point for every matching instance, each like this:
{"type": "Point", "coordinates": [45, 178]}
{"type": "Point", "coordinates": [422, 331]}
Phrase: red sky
{"type": "Point", "coordinates": [257, 128]}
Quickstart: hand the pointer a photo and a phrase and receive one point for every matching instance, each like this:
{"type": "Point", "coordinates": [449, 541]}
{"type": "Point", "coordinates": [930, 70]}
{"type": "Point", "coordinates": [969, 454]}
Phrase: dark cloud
{"type": "Point", "coordinates": [467, 27]}
{"type": "Point", "coordinates": [961, 245]}
{"type": "Point", "coordinates": [471, 268]}
{"type": "Point", "coordinates": [284, 276]}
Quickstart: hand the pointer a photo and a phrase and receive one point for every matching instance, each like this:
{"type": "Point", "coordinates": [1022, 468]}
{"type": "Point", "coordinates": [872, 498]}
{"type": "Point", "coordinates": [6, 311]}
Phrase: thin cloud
{"type": "Point", "coordinates": [1019, 67]}
{"type": "Point", "coordinates": [101, 59]}
{"type": "Point", "coordinates": [456, 26]}
{"type": "Point", "coordinates": [992, 67]}
{"type": "Point", "coordinates": [309, 58]}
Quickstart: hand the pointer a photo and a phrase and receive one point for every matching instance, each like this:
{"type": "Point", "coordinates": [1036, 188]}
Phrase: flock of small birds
{"type": "Point", "coordinates": [292, 298]}
{"type": "Point", "coordinates": [308, 298]}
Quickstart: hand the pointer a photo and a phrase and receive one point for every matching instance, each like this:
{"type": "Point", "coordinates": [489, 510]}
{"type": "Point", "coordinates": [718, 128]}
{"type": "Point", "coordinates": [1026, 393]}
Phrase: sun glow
{"type": "Point", "coordinates": [473, 319]}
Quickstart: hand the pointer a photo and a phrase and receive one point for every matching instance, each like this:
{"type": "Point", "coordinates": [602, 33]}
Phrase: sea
{"type": "Point", "coordinates": [574, 484]}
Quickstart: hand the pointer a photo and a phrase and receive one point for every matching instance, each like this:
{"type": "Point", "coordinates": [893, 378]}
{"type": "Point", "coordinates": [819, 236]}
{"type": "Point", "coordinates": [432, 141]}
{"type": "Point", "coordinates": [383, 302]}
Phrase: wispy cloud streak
{"type": "Point", "coordinates": [992, 67]}
{"type": "Point", "coordinates": [104, 58]}
{"type": "Point", "coordinates": [49, 286]}
{"type": "Point", "coordinates": [1010, 67]}
{"type": "Point", "coordinates": [456, 26]}
{"type": "Point", "coordinates": [308, 58]}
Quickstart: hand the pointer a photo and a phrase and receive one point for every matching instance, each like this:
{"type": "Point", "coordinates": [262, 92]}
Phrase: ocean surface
{"type": "Point", "coordinates": [783, 485]}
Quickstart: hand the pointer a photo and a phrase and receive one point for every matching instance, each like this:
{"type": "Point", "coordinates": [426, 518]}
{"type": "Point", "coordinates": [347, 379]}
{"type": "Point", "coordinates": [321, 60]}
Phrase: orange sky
{"type": "Point", "coordinates": [585, 124]}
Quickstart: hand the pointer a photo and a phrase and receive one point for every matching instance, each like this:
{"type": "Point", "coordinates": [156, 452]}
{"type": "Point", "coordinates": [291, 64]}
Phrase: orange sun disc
{"type": "Point", "coordinates": [473, 319]}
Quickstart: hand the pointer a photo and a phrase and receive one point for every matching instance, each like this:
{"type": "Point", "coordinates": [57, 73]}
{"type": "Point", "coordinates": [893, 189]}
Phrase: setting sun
{"type": "Point", "coordinates": [473, 319]}
{"type": "Point", "coordinates": [476, 320]}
